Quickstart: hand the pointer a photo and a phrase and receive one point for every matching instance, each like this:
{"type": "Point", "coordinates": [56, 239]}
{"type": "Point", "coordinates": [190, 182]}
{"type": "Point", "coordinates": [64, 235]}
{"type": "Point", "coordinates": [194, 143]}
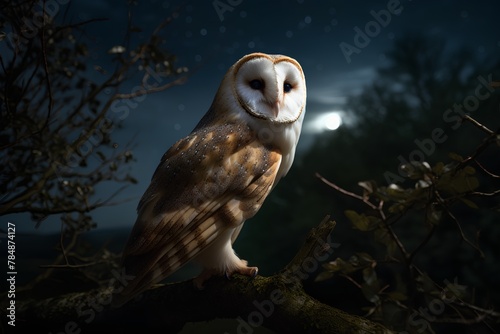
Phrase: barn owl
{"type": "Point", "coordinates": [210, 182]}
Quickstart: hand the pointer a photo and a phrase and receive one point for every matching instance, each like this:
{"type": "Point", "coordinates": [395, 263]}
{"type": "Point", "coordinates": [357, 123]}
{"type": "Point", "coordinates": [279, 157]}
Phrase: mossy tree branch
{"type": "Point", "coordinates": [278, 302]}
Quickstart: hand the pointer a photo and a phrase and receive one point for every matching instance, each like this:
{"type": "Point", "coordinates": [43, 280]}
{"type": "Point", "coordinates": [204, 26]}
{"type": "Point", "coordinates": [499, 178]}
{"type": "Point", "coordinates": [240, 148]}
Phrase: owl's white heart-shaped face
{"type": "Point", "coordinates": [270, 87]}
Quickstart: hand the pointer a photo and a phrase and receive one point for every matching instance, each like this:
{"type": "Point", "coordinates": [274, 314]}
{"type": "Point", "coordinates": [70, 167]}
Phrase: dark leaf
{"type": "Point", "coordinates": [323, 276]}
{"type": "Point", "coordinates": [360, 222]}
{"type": "Point", "coordinates": [455, 157]}
{"type": "Point", "coordinates": [469, 203]}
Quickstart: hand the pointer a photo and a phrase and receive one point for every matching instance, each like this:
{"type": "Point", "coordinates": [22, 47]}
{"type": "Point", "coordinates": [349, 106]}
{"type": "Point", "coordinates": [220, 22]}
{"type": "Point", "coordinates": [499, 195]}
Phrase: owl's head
{"type": "Point", "coordinates": [269, 87]}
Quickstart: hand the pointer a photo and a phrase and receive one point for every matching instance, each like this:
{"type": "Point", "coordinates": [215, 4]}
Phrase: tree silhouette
{"type": "Point", "coordinates": [58, 115]}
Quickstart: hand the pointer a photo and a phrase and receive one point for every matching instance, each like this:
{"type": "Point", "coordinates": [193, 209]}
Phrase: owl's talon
{"type": "Point", "coordinates": [247, 271]}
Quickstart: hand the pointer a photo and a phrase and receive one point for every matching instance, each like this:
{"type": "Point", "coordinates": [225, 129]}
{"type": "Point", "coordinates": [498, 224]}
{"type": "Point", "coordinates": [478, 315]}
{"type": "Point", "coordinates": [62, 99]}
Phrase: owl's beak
{"type": "Point", "coordinates": [275, 107]}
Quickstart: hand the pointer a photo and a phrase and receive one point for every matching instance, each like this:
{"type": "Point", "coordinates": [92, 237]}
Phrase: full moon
{"type": "Point", "coordinates": [332, 121]}
{"type": "Point", "coordinates": [326, 121]}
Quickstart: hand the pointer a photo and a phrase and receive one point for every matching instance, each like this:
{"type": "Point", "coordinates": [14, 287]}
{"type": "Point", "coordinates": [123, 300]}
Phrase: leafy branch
{"type": "Point", "coordinates": [435, 194]}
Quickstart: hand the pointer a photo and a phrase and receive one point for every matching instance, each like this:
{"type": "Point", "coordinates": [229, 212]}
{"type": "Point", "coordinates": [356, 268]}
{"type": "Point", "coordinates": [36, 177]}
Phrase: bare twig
{"type": "Point", "coordinates": [58, 210]}
{"type": "Point", "coordinates": [489, 312]}
{"type": "Point", "coordinates": [381, 210]}
{"type": "Point", "coordinates": [346, 192]}
{"type": "Point", "coordinates": [492, 194]}
{"type": "Point", "coordinates": [79, 24]}
{"type": "Point", "coordinates": [71, 266]}
{"type": "Point", "coordinates": [422, 244]}
{"type": "Point", "coordinates": [459, 226]}
{"type": "Point", "coordinates": [398, 242]}
{"type": "Point", "coordinates": [350, 279]}
{"type": "Point", "coordinates": [141, 92]}
{"type": "Point", "coordinates": [486, 171]}
{"type": "Point", "coordinates": [478, 319]}
{"type": "Point", "coordinates": [46, 70]}
{"type": "Point", "coordinates": [478, 125]}
{"type": "Point", "coordinates": [487, 141]}
{"type": "Point", "coordinates": [61, 243]}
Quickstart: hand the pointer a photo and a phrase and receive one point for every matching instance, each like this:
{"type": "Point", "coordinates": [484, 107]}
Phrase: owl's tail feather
{"type": "Point", "coordinates": [165, 264]}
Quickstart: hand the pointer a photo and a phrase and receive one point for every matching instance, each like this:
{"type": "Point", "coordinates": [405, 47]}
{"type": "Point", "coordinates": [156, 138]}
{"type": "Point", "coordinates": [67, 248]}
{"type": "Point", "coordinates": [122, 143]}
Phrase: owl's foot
{"type": "Point", "coordinates": [245, 271]}
{"type": "Point", "coordinates": [237, 267]}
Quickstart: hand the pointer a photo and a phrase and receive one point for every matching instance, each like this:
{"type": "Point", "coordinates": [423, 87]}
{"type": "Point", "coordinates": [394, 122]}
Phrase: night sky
{"type": "Point", "coordinates": [208, 41]}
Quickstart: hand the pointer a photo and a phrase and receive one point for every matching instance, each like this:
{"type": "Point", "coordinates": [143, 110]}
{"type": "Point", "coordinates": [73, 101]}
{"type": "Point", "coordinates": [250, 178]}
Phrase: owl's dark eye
{"type": "Point", "coordinates": [257, 84]}
{"type": "Point", "coordinates": [287, 87]}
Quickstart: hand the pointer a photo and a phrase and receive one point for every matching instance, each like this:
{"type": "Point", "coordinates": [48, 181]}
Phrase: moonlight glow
{"type": "Point", "coordinates": [332, 121]}
{"type": "Point", "coordinates": [327, 121]}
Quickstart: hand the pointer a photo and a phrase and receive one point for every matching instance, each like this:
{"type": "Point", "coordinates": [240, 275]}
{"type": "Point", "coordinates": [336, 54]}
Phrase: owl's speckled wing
{"type": "Point", "coordinates": [206, 183]}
